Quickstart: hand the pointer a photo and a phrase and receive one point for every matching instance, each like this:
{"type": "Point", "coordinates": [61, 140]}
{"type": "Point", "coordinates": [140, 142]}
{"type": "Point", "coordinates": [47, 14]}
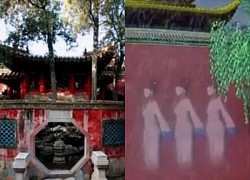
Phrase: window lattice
{"type": "Point", "coordinates": [7, 134]}
{"type": "Point", "coordinates": [113, 132]}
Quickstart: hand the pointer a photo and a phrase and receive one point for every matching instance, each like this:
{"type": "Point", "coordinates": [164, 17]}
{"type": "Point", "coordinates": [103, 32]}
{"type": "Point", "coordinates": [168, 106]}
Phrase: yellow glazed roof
{"type": "Point", "coordinates": [156, 5]}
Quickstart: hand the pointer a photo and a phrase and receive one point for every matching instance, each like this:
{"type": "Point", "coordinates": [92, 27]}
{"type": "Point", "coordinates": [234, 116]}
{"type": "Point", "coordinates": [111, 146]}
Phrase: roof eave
{"type": "Point", "coordinates": [159, 36]}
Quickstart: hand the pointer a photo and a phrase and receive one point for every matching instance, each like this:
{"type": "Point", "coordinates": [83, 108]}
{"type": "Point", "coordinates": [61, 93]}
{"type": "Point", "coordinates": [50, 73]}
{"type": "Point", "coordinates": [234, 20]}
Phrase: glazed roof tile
{"type": "Point", "coordinates": [158, 5]}
{"type": "Point", "coordinates": [166, 36]}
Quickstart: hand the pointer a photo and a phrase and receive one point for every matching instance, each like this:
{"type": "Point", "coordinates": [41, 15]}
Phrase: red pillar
{"type": "Point", "coordinates": [9, 91]}
{"type": "Point", "coordinates": [24, 86]}
{"type": "Point", "coordinates": [72, 87]}
{"type": "Point", "coordinates": [42, 88]}
{"type": "Point", "coordinates": [87, 86]}
{"type": "Point", "coordinates": [102, 93]}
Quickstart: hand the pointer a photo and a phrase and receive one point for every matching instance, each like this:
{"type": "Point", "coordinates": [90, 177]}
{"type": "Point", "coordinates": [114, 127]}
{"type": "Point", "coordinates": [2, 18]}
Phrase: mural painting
{"type": "Point", "coordinates": [178, 127]}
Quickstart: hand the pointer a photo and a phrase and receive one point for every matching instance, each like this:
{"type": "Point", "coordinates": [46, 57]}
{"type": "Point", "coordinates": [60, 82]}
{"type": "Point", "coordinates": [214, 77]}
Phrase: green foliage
{"type": "Point", "coordinates": [114, 21]}
{"type": "Point", "coordinates": [114, 24]}
{"type": "Point", "coordinates": [84, 15]}
{"type": "Point", "coordinates": [230, 61]}
{"type": "Point", "coordinates": [76, 13]}
{"type": "Point", "coordinates": [35, 21]}
{"type": "Point", "coordinates": [246, 5]}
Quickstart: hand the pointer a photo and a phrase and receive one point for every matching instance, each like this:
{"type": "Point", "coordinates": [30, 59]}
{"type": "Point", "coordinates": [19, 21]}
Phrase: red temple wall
{"type": "Point", "coordinates": [93, 125]}
{"type": "Point", "coordinates": [168, 66]}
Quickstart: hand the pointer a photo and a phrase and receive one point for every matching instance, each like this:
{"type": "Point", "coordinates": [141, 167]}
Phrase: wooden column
{"type": "Point", "coordinates": [94, 75]}
{"type": "Point", "coordinates": [42, 87]}
{"type": "Point", "coordinates": [24, 86]}
{"type": "Point", "coordinates": [72, 86]}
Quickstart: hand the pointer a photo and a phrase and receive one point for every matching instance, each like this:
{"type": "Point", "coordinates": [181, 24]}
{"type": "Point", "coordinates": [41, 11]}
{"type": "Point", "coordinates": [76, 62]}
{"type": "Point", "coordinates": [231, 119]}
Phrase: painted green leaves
{"type": "Point", "coordinates": [230, 61]}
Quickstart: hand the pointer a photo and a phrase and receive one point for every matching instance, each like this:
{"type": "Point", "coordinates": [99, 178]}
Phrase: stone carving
{"type": "Point", "coordinates": [59, 152]}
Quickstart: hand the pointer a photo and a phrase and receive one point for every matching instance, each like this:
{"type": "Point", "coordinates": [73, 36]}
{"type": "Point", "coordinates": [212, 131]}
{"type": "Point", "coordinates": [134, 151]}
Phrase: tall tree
{"type": "Point", "coordinates": [114, 23]}
{"type": "Point", "coordinates": [84, 15]}
{"type": "Point", "coordinates": [35, 20]}
{"type": "Point", "coordinates": [229, 59]}
{"type": "Point", "coordinates": [97, 14]}
{"type": "Point", "coordinates": [87, 12]}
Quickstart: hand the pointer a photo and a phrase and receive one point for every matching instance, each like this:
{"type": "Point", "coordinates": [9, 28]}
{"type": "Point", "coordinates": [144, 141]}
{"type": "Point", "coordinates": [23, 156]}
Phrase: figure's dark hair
{"type": "Point", "coordinates": [215, 90]}
{"type": "Point", "coordinates": [184, 83]}
{"type": "Point", "coordinates": [152, 86]}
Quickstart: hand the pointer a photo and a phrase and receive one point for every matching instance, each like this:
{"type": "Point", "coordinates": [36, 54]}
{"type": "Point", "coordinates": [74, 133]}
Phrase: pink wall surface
{"type": "Point", "coordinates": [168, 66]}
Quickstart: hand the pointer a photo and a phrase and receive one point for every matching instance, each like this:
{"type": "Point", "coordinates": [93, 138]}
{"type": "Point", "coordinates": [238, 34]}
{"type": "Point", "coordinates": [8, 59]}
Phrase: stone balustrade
{"type": "Point", "coordinates": [20, 165]}
{"type": "Point", "coordinates": [100, 161]}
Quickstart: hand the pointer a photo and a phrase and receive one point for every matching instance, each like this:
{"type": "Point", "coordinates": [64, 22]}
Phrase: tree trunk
{"type": "Point", "coordinates": [52, 67]}
{"type": "Point", "coordinates": [95, 47]}
{"type": "Point", "coordinates": [96, 33]}
{"type": "Point", "coordinates": [94, 76]}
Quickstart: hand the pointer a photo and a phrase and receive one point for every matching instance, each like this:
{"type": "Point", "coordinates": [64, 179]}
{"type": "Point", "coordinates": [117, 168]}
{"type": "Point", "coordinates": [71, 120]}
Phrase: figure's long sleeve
{"type": "Point", "coordinates": [163, 123]}
{"type": "Point", "coordinates": [194, 117]}
{"type": "Point", "coordinates": [227, 118]}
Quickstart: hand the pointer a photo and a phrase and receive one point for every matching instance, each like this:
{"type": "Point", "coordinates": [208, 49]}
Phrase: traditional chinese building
{"type": "Point", "coordinates": [60, 136]}
{"type": "Point", "coordinates": [168, 43]}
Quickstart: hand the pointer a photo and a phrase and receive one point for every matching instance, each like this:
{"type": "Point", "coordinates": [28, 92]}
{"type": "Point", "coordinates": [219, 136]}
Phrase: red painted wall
{"type": "Point", "coordinates": [93, 124]}
{"type": "Point", "coordinates": [168, 65]}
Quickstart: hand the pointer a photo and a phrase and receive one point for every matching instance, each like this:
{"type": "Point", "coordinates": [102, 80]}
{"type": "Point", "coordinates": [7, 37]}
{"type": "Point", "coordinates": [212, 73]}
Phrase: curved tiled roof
{"type": "Point", "coordinates": [166, 36]}
{"type": "Point", "coordinates": [156, 14]}
{"type": "Point", "coordinates": [156, 5]}
{"type": "Point", "coordinates": [7, 50]}
{"type": "Point", "coordinates": [10, 77]}
{"type": "Point", "coordinates": [20, 61]}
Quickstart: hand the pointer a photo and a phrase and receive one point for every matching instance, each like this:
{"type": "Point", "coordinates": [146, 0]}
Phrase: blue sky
{"type": "Point", "coordinates": [239, 16]}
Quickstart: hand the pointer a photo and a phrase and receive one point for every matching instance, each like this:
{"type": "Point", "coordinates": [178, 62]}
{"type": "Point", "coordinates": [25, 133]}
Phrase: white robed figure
{"type": "Point", "coordinates": [187, 121]}
{"type": "Point", "coordinates": [154, 124]}
{"type": "Point", "coordinates": [215, 127]}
